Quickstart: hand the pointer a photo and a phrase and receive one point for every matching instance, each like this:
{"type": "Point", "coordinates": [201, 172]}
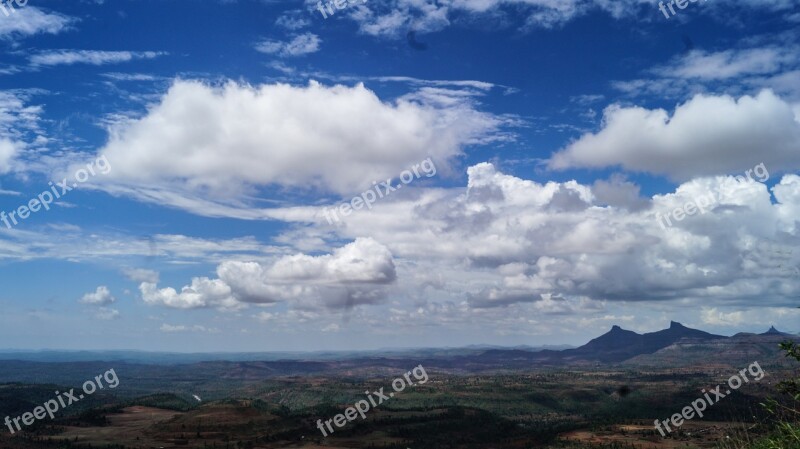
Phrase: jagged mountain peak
{"type": "Point", "coordinates": [773, 331]}
{"type": "Point", "coordinates": [619, 344]}
{"type": "Point", "coordinates": [617, 331]}
{"type": "Point", "coordinates": [676, 325]}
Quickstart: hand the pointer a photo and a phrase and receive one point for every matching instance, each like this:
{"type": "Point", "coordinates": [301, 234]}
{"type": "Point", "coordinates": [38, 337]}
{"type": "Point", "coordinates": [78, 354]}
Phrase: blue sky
{"type": "Point", "coordinates": [219, 132]}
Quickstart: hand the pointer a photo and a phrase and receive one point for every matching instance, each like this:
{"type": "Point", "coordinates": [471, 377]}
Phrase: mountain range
{"type": "Point", "coordinates": [677, 346]}
{"type": "Point", "coordinates": [673, 346]}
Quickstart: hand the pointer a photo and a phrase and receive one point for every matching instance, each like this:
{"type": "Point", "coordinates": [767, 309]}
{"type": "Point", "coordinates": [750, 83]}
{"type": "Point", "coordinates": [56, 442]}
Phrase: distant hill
{"type": "Point", "coordinates": [619, 344]}
{"type": "Point", "coordinates": [677, 345]}
{"type": "Point", "coordinates": [742, 348]}
{"type": "Point", "coordinates": [175, 358]}
{"type": "Point", "coordinates": [773, 331]}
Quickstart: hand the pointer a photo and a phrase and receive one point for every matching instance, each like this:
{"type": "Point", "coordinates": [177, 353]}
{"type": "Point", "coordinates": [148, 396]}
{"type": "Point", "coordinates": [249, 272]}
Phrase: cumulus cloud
{"type": "Point", "coordinates": [507, 240]}
{"type": "Point", "coordinates": [300, 45]}
{"type": "Point", "coordinates": [618, 192]}
{"type": "Point", "coordinates": [203, 292]}
{"type": "Point", "coordinates": [93, 57]}
{"type": "Point", "coordinates": [351, 275]}
{"type": "Point", "coordinates": [101, 297]}
{"type": "Point", "coordinates": [514, 251]}
{"type": "Point", "coordinates": [707, 135]}
{"type": "Point", "coordinates": [363, 261]}
{"type": "Point", "coordinates": [202, 144]}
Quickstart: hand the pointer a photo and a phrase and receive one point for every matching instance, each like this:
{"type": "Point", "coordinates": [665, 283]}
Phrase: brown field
{"type": "Point", "coordinates": [701, 434]}
{"type": "Point", "coordinates": [128, 428]}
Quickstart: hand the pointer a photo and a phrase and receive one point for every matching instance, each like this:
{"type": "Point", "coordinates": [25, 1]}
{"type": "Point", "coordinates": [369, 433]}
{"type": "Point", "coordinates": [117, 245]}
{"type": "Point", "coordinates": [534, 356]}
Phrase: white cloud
{"type": "Point", "coordinates": [117, 76]}
{"type": "Point", "coordinates": [141, 275]}
{"type": "Point", "coordinates": [168, 328]}
{"type": "Point", "coordinates": [395, 17]}
{"type": "Point", "coordinates": [293, 20]}
{"type": "Point", "coordinates": [207, 149]}
{"type": "Point", "coordinates": [351, 275]}
{"type": "Point", "coordinates": [31, 20]}
{"type": "Point", "coordinates": [70, 243]}
{"type": "Point", "coordinates": [744, 69]}
{"type": "Point", "coordinates": [363, 261]}
{"type": "Point", "coordinates": [481, 85]}
{"type": "Point", "coordinates": [528, 256]}
{"type": "Point", "coordinates": [300, 45]}
{"type": "Point", "coordinates": [265, 317]}
{"type": "Point", "coordinates": [707, 135]}
{"type": "Point", "coordinates": [107, 314]}
{"type": "Point", "coordinates": [515, 252]}
{"type": "Point", "coordinates": [203, 292]}
{"type": "Point", "coordinates": [333, 327]}
{"type": "Point", "coordinates": [8, 151]}
{"type": "Point", "coordinates": [732, 63]}
{"type": "Point", "coordinates": [101, 296]}
{"type": "Point", "coordinates": [94, 57]}
{"type": "Point", "coordinates": [507, 241]}
{"type": "Point", "coordinates": [715, 317]}
{"type": "Point", "coordinates": [498, 244]}
{"type": "Point", "coordinates": [618, 192]}
{"type": "Point", "coordinates": [19, 127]}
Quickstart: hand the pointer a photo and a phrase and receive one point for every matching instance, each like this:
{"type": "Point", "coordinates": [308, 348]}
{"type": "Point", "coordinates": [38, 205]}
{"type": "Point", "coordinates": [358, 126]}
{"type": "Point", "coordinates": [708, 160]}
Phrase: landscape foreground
{"type": "Point", "coordinates": [605, 394]}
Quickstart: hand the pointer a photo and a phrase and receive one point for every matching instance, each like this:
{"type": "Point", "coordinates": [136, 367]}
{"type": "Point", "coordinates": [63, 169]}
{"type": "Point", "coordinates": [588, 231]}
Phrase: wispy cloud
{"type": "Point", "coordinates": [10, 192]}
{"type": "Point", "coordinates": [116, 76]}
{"type": "Point", "coordinates": [105, 313]}
{"type": "Point", "coordinates": [141, 275]}
{"type": "Point", "coordinates": [300, 45]}
{"type": "Point", "coordinates": [393, 18]}
{"type": "Point", "coordinates": [293, 20]}
{"type": "Point", "coordinates": [732, 63]}
{"type": "Point", "coordinates": [168, 328]}
{"type": "Point", "coordinates": [94, 57]}
{"type": "Point", "coordinates": [31, 20]}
